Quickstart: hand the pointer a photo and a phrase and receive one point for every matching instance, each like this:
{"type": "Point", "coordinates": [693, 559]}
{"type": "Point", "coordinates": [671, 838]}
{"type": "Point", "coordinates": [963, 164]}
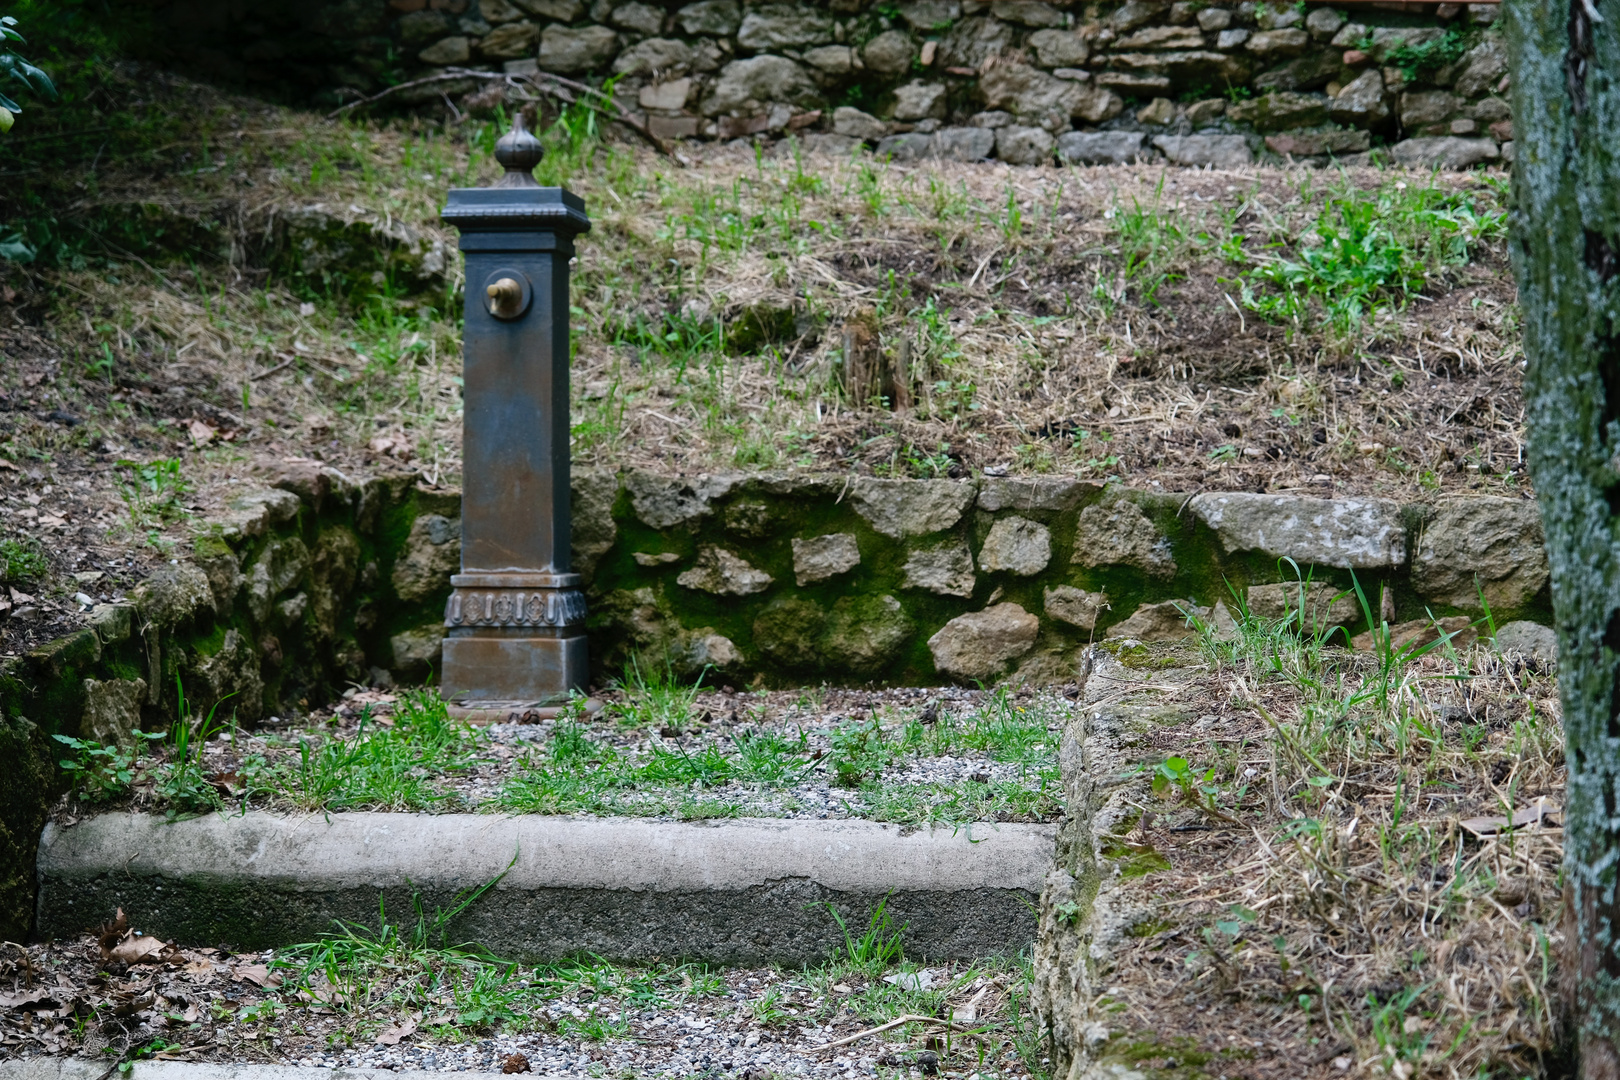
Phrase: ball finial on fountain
{"type": "Point", "coordinates": [519, 152]}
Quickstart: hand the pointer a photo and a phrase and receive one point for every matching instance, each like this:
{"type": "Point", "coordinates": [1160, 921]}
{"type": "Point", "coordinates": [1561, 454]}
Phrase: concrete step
{"type": "Point", "coordinates": [747, 891]}
{"type": "Point", "coordinates": [71, 1068]}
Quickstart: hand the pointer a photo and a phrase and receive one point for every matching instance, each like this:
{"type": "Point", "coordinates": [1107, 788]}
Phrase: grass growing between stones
{"type": "Point", "coordinates": [662, 750]}
{"type": "Point", "coordinates": [406, 996]}
{"type": "Point", "coordinates": [1337, 863]}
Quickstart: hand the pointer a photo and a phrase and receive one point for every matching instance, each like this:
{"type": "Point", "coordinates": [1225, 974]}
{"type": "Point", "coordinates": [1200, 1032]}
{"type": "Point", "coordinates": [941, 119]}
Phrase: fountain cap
{"type": "Point", "coordinates": [519, 152]}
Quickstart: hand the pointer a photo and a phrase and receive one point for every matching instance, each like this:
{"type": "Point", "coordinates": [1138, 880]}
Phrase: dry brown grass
{"type": "Point", "coordinates": [1358, 927]}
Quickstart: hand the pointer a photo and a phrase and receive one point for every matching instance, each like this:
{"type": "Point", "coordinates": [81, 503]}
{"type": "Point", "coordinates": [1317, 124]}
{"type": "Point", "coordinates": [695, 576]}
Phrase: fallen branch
{"type": "Point", "coordinates": [892, 1024]}
{"type": "Point", "coordinates": [553, 86]}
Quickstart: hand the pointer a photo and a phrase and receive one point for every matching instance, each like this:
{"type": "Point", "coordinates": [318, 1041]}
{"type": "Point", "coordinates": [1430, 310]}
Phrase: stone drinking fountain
{"type": "Point", "coordinates": [515, 621]}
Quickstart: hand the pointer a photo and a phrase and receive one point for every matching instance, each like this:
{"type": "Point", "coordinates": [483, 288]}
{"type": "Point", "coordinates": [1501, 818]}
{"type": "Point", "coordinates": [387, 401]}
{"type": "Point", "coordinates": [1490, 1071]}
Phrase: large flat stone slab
{"type": "Point", "coordinates": [748, 891]}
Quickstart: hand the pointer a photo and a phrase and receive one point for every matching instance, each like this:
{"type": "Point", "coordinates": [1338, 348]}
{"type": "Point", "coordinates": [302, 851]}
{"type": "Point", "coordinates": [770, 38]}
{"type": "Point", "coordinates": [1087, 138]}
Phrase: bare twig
{"type": "Point", "coordinates": [909, 1018]}
{"type": "Point", "coordinates": [544, 82]}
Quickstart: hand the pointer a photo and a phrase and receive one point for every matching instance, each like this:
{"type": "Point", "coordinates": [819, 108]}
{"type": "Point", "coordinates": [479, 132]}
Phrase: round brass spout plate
{"type": "Point", "coordinates": [507, 294]}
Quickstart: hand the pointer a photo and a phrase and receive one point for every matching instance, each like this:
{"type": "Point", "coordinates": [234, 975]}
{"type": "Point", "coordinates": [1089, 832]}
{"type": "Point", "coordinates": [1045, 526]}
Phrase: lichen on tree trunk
{"type": "Point", "coordinates": [1566, 253]}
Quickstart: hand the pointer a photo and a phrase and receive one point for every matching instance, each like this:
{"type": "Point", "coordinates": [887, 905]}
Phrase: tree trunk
{"type": "Point", "coordinates": [1566, 253]}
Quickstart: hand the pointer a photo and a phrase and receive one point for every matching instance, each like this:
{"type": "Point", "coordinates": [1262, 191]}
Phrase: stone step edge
{"type": "Point", "coordinates": [78, 1068]}
{"type": "Point", "coordinates": [736, 891]}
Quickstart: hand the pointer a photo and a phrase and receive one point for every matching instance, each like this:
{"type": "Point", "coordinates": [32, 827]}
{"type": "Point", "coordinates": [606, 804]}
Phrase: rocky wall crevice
{"type": "Point", "coordinates": [324, 580]}
{"type": "Point", "coordinates": [1189, 82]}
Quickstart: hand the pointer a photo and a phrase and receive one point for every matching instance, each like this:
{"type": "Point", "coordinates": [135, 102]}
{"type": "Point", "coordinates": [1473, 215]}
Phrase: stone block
{"type": "Point", "coordinates": [1234, 38]}
{"type": "Point", "coordinates": [1324, 606]}
{"type": "Point", "coordinates": [1316, 143]}
{"type": "Point", "coordinates": [783, 26]}
{"type": "Point", "coordinates": [1361, 103]}
{"type": "Point", "coordinates": [174, 596]}
{"type": "Point", "coordinates": [1049, 493]}
{"type": "Point", "coordinates": [919, 100]}
{"type": "Point", "coordinates": [981, 644]}
{"type": "Point", "coordinates": [1160, 112]}
{"type": "Point", "coordinates": [1024, 145]}
{"type": "Point", "coordinates": [566, 11]}
{"type": "Point", "coordinates": [1077, 607]}
{"type": "Point", "coordinates": [1323, 23]}
{"type": "Point", "coordinates": [673, 127]}
{"type": "Point", "coordinates": [972, 41]}
{"type": "Point", "coordinates": [1133, 13]}
{"type": "Point", "coordinates": [655, 57]}
{"type": "Point", "coordinates": [910, 146]}
{"type": "Point", "coordinates": [670, 95]}
{"type": "Point", "coordinates": [566, 50]}
{"type": "Point", "coordinates": [946, 570]}
{"type": "Point", "coordinates": [638, 18]}
{"type": "Point", "coordinates": [1358, 534]}
{"type": "Point", "coordinates": [1425, 108]}
{"type": "Point", "coordinates": [662, 501]}
{"type": "Point", "coordinates": [1481, 543]}
{"type": "Point", "coordinates": [1117, 533]}
{"type": "Point", "coordinates": [831, 60]}
{"type": "Point", "coordinates": [904, 508]}
{"type": "Point", "coordinates": [1212, 20]}
{"type": "Point", "coordinates": [1311, 71]}
{"type": "Point", "coordinates": [1280, 112]}
{"type": "Point", "coordinates": [717, 18]}
{"type": "Point", "coordinates": [1444, 152]}
{"type": "Point", "coordinates": [1167, 621]}
{"type": "Point", "coordinates": [112, 711]}
{"type": "Point", "coordinates": [510, 41]}
{"type": "Point", "coordinates": [963, 144]}
{"type": "Point", "coordinates": [446, 51]}
{"type": "Point", "coordinates": [1206, 113]}
{"type": "Point", "coordinates": [1059, 48]}
{"type": "Point", "coordinates": [1160, 37]}
{"type": "Point", "coordinates": [1529, 640]}
{"type": "Point", "coordinates": [748, 893]}
{"type": "Point", "coordinates": [1275, 44]}
{"type": "Point", "coordinates": [889, 53]}
{"type": "Point", "coordinates": [1027, 13]}
{"type": "Point", "coordinates": [1219, 151]}
{"type": "Point", "coordinates": [850, 121]}
{"type": "Point", "coordinates": [926, 16]}
{"type": "Point", "coordinates": [822, 557]}
{"type": "Point", "coordinates": [722, 573]}
{"type": "Point", "coordinates": [1016, 545]}
{"type": "Point", "coordinates": [1129, 82]}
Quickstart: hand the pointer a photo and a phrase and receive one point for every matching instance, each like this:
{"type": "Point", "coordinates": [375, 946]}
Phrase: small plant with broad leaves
{"type": "Point", "coordinates": [14, 69]}
{"type": "Point", "coordinates": [101, 772]}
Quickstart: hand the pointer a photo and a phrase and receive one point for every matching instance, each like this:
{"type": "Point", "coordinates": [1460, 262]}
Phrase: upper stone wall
{"type": "Point", "coordinates": [1191, 82]}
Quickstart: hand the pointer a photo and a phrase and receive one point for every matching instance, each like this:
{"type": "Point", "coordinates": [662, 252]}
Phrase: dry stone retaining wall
{"type": "Point", "coordinates": [325, 580]}
{"type": "Point", "coordinates": [1195, 82]}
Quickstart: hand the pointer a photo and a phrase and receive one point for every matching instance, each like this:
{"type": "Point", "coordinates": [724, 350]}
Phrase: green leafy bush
{"type": "Point", "coordinates": [14, 69]}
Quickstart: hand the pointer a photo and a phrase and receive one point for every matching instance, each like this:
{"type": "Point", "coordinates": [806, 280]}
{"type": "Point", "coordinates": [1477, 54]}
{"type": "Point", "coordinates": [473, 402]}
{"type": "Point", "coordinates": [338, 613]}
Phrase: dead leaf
{"type": "Point", "coordinates": [31, 997]}
{"type": "Point", "coordinates": [391, 1036]}
{"type": "Point", "coordinates": [257, 974]}
{"type": "Point", "coordinates": [1541, 812]}
{"type": "Point", "coordinates": [228, 784]}
{"type": "Point", "coordinates": [109, 934]}
{"type": "Point", "coordinates": [201, 434]}
{"type": "Point", "coordinates": [515, 1063]}
{"type": "Point", "coordinates": [135, 1004]}
{"type": "Point", "coordinates": [143, 949]}
{"type": "Point", "coordinates": [199, 968]}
